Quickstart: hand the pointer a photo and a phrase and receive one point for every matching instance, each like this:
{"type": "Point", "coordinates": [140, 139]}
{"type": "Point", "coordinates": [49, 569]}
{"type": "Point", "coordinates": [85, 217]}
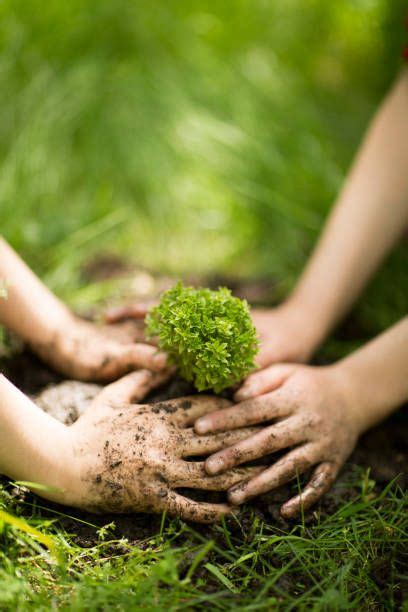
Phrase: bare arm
{"type": "Point", "coordinates": [378, 375]}
{"type": "Point", "coordinates": [370, 215]}
{"type": "Point", "coordinates": [30, 310]}
{"type": "Point", "coordinates": [33, 446]}
{"type": "Point", "coordinates": [74, 347]}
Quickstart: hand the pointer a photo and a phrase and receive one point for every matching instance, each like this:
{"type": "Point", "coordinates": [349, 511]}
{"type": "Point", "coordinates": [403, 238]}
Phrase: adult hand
{"type": "Point", "coordinates": [315, 417]}
{"type": "Point", "coordinates": [85, 351]}
{"type": "Point", "coordinates": [131, 457]}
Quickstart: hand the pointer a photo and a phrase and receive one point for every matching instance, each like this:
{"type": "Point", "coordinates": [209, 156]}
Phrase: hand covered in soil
{"type": "Point", "coordinates": [132, 457]}
{"type": "Point", "coordinates": [314, 418]}
{"type": "Point", "coordinates": [85, 351]}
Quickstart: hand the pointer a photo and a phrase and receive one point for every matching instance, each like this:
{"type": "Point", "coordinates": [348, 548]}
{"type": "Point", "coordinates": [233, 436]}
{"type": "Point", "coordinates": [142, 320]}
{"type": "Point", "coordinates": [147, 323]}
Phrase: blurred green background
{"type": "Point", "coordinates": [191, 137]}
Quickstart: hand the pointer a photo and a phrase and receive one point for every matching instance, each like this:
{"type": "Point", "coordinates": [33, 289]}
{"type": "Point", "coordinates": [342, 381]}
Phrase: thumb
{"type": "Point", "coordinates": [264, 381]}
{"type": "Point", "coordinates": [268, 355]}
{"type": "Point", "coordinates": [137, 310]}
{"type": "Point", "coordinates": [131, 388]}
{"type": "Point", "coordinates": [138, 355]}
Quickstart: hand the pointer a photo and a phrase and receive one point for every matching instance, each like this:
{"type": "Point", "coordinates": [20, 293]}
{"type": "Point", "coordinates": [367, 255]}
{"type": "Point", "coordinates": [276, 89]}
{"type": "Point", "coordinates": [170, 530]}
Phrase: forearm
{"type": "Point", "coordinates": [377, 375]}
{"type": "Point", "coordinates": [34, 447]}
{"type": "Point", "coordinates": [368, 218]}
{"type": "Point", "coordinates": [30, 309]}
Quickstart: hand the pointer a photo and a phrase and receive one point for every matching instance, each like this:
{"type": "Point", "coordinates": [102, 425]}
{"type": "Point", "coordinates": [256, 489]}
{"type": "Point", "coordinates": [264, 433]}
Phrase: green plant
{"type": "Point", "coordinates": [208, 334]}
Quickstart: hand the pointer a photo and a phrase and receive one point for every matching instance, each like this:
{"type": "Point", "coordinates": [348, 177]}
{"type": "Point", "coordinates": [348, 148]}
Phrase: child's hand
{"type": "Point", "coordinates": [131, 457]}
{"type": "Point", "coordinates": [84, 351]}
{"type": "Point", "coordinates": [315, 418]}
{"type": "Point", "coordinates": [75, 347]}
{"type": "Point", "coordinates": [286, 333]}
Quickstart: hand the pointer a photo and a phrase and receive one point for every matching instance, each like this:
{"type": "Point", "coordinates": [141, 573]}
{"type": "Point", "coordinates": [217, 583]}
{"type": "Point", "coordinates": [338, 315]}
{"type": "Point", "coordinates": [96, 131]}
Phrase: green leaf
{"type": "Point", "coordinates": [208, 334]}
{"type": "Point", "coordinates": [221, 577]}
{"type": "Point", "coordinates": [21, 525]}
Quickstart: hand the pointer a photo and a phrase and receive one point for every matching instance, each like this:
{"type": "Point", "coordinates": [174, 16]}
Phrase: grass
{"type": "Point", "coordinates": [199, 137]}
{"type": "Point", "coordinates": [352, 559]}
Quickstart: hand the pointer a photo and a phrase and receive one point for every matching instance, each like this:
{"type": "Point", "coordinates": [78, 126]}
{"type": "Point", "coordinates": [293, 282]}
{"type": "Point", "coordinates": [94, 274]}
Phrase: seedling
{"type": "Point", "coordinates": [207, 334]}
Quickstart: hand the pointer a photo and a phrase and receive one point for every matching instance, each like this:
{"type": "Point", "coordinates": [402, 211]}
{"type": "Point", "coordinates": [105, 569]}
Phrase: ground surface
{"type": "Point", "coordinates": [349, 552]}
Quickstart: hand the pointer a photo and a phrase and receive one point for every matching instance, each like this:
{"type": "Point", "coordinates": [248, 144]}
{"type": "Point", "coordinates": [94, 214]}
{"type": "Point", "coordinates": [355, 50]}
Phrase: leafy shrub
{"type": "Point", "coordinates": [208, 334]}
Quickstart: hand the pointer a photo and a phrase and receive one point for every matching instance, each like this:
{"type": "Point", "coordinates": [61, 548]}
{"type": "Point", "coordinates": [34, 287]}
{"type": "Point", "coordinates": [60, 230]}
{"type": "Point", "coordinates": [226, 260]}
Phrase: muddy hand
{"type": "Point", "coordinates": [134, 457]}
{"type": "Point", "coordinates": [314, 418]}
{"type": "Point", "coordinates": [70, 399]}
{"type": "Point", "coordinates": [85, 351]}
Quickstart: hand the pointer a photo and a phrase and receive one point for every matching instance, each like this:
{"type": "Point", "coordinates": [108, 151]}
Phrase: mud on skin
{"type": "Point", "coordinates": [85, 351]}
{"type": "Point", "coordinates": [133, 457]}
{"type": "Point", "coordinates": [27, 372]}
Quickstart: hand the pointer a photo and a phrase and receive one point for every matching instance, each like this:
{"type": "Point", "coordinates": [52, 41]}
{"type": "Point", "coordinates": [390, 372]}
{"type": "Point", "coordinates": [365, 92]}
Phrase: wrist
{"type": "Point", "coordinates": [303, 319]}
{"type": "Point", "coordinates": [375, 375]}
{"type": "Point", "coordinates": [316, 308]}
{"type": "Point", "coordinates": [50, 333]}
{"type": "Point", "coordinates": [356, 404]}
{"type": "Point", "coordinates": [51, 323]}
{"type": "Point", "coordinates": [59, 470]}
{"type": "Point", "coordinates": [71, 481]}
{"type": "Point", "coordinates": [85, 467]}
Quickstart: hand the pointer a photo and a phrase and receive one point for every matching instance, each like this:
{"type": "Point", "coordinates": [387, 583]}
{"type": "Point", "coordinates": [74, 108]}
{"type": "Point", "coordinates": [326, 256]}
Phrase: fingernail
{"type": "Point", "coordinates": [214, 465]}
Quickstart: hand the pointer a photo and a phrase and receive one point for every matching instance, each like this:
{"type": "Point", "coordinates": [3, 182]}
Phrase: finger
{"type": "Point", "coordinates": [268, 440]}
{"type": "Point", "coordinates": [132, 388]}
{"type": "Point", "coordinates": [289, 467]}
{"type": "Point", "coordinates": [198, 512]}
{"type": "Point", "coordinates": [322, 479]}
{"type": "Point", "coordinates": [187, 409]}
{"type": "Point", "coordinates": [193, 475]}
{"type": "Point", "coordinates": [126, 358]}
{"type": "Point", "coordinates": [128, 331]}
{"type": "Point", "coordinates": [132, 311]}
{"type": "Point", "coordinates": [251, 412]}
{"type": "Point", "coordinates": [192, 444]}
{"type": "Point", "coordinates": [264, 381]}
{"type": "Point", "coordinates": [267, 355]}
{"type": "Point", "coordinates": [271, 354]}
